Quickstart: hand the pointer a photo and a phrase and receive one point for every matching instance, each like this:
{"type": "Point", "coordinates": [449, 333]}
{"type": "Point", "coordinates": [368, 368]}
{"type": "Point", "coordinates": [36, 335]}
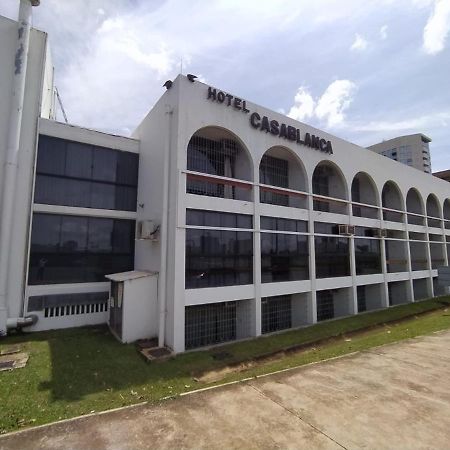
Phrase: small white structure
{"type": "Point", "coordinates": [133, 305]}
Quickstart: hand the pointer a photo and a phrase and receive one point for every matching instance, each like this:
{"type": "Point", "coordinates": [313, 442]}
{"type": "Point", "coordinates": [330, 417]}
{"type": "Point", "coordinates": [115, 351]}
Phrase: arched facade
{"type": "Point", "coordinates": [280, 167]}
{"type": "Point", "coordinates": [328, 181]}
{"type": "Point", "coordinates": [415, 207]}
{"type": "Point", "coordinates": [218, 152]}
{"type": "Point", "coordinates": [364, 191]}
{"type": "Point", "coordinates": [392, 199]}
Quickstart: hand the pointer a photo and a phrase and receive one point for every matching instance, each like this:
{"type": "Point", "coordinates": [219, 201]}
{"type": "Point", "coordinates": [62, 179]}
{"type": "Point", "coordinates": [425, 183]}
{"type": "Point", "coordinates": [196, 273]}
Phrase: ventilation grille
{"type": "Point", "coordinates": [75, 310]}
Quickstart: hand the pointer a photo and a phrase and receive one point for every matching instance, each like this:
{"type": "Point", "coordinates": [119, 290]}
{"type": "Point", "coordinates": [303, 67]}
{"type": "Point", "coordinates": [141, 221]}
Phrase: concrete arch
{"type": "Point", "coordinates": [391, 196]}
{"type": "Point", "coordinates": [337, 184]}
{"type": "Point", "coordinates": [433, 207]}
{"type": "Point", "coordinates": [368, 191]}
{"type": "Point", "coordinates": [297, 177]}
{"type": "Point", "coordinates": [414, 202]}
{"type": "Point", "coordinates": [415, 205]}
{"type": "Point", "coordinates": [364, 190]}
{"type": "Point", "coordinates": [244, 165]}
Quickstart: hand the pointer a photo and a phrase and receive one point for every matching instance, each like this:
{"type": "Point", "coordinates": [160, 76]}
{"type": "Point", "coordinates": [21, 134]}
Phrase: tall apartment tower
{"type": "Point", "coordinates": [412, 150]}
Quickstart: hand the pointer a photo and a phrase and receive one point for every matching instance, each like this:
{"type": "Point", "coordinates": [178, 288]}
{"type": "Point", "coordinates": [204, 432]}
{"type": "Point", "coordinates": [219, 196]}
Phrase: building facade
{"type": "Point", "coordinates": [412, 150]}
{"type": "Point", "coordinates": [259, 223]}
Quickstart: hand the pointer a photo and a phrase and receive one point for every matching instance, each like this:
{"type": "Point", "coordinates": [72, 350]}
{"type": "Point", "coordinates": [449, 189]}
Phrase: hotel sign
{"type": "Point", "coordinates": [264, 123]}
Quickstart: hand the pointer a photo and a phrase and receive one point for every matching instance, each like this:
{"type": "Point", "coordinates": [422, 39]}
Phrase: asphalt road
{"type": "Point", "coordinates": [394, 397]}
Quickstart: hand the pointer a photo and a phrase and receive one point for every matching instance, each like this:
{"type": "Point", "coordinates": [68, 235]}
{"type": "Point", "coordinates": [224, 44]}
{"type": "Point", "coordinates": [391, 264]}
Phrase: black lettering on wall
{"type": "Point", "coordinates": [237, 103]}
{"type": "Point", "coordinates": [229, 97]}
{"type": "Point", "coordinates": [212, 93]}
{"type": "Point", "coordinates": [220, 97]}
{"type": "Point", "coordinates": [265, 124]}
{"type": "Point", "coordinates": [291, 133]}
{"type": "Point", "coordinates": [254, 120]}
{"type": "Point", "coordinates": [274, 127]}
{"type": "Point", "coordinates": [283, 132]}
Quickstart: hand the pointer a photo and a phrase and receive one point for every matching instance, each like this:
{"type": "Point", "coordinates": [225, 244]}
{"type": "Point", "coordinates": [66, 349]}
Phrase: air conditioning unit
{"type": "Point", "coordinates": [346, 230]}
{"type": "Point", "coordinates": [147, 230]}
{"type": "Point", "coordinates": [380, 232]}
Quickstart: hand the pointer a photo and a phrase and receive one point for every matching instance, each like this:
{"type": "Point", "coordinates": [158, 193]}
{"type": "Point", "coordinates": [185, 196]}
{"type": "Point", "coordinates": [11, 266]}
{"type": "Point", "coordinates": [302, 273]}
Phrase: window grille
{"type": "Point", "coordinates": [325, 305]}
{"type": "Point", "coordinates": [210, 324]}
{"type": "Point", "coordinates": [276, 313]}
{"type": "Point", "coordinates": [215, 158]}
{"type": "Point", "coordinates": [361, 294]}
{"type": "Point", "coordinates": [274, 172]}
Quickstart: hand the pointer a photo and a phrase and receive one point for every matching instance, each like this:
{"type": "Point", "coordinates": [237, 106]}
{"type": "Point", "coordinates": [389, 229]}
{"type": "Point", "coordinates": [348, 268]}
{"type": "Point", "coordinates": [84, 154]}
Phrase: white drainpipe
{"type": "Point", "coordinates": [12, 151]}
{"type": "Point", "coordinates": [162, 279]}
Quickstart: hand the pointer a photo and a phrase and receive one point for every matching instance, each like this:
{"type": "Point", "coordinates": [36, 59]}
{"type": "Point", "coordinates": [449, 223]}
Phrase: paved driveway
{"type": "Point", "coordinates": [396, 396]}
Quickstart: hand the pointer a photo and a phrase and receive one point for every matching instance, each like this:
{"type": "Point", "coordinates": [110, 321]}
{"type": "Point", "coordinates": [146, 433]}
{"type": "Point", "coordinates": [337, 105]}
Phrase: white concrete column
{"type": "Point", "coordinates": [256, 326]}
{"type": "Point", "coordinates": [12, 151]}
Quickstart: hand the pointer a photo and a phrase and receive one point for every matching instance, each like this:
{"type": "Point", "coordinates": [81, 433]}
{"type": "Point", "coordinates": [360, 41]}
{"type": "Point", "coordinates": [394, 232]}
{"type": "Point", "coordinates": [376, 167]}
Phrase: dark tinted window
{"type": "Point", "coordinates": [218, 258]}
{"type": "Point", "coordinates": [72, 249]}
{"type": "Point", "coordinates": [332, 256]}
{"type": "Point", "coordinates": [284, 257]}
{"type": "Point", "coordinates": [218, 219]}
{"type": "Point", "coordinates": [76, 174]}
{"type": "Point", "coordinates": [281, 224]}
{"type": "Point", "coordinates": [367, 256]}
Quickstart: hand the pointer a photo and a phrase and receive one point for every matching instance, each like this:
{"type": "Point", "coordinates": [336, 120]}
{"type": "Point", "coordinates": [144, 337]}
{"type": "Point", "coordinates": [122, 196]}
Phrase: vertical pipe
{"type": "Point", "coordinates": [162, 280]}
{"type": "Point", "coordinates": [12, 151]}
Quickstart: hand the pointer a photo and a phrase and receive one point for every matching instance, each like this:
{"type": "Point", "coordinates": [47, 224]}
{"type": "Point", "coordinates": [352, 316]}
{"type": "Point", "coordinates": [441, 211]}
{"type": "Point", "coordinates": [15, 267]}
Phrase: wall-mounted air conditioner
{"type": "Point", "coordinates": [346, 230]}
{"type": "Point", "coordinates": [147, 230]}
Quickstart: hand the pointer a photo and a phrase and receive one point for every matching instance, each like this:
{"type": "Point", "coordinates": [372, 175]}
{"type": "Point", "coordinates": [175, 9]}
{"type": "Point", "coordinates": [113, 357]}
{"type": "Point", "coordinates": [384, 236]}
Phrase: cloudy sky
{"type": "Point", "coordinates": [362, 70]}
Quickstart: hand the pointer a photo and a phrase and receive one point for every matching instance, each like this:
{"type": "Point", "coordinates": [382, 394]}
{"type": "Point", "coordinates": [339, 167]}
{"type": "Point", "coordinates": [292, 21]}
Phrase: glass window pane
{"type": "Point", "coordinates": [79, 160]}
{"type": "Point", "coordinates": [103, 196]}
{"type": "Point", "coordinates": [127, 168]}
{"type": "Point", "coordinates": [194, 217]}
{"type": "Point", "coordinates": [74, 232]}
{"type": "Point", "coordinates": [51, 157]}
{"type": "Point", "coordinates": [100, 235]}
{"type": "Point", "coordinates": [104, 165]}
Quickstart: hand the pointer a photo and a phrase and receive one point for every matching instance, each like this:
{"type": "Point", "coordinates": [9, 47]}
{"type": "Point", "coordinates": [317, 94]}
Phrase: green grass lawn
{"type": "Point", "coordinates": [78, 371]}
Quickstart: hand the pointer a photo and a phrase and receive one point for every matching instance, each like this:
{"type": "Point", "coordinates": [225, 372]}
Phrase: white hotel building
{"type": "Point", "coordinates": [250, 222]}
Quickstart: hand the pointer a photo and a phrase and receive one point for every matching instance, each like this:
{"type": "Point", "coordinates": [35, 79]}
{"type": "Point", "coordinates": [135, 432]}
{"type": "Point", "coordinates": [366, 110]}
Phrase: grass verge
{"type": "Point", "coordinates": [78, 371]}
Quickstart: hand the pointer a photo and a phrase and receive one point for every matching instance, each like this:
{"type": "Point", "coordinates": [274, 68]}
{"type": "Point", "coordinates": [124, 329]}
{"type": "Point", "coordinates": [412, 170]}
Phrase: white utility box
{"type": "Point", "coordinates": [133, 300]}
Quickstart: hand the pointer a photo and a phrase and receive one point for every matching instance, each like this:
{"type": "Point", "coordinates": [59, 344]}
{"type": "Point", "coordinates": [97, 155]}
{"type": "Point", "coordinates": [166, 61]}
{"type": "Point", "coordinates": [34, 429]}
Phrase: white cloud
{"type": "Point", "coordinates": [437, 28]}
{"type": "Point", "coordinates": [304, 104]}
{"type": "Point", "coordinates": [329, 108]}
{"type": "Point", "coordinates": [334, 101]}
{"type": "Point", "coordinates": [383, 32]}
{"type": "Point", "coordinates": [359, 44]}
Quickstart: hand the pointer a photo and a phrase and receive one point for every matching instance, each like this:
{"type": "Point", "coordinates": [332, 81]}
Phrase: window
{"type": "Point", "coordinates": [276, 313]}
{"type": "Point", "coordinates": [367, 256]}
{"type": "Point", "coordinates": [274, 172]}
{"type": "Point", "coordinates": [281, 224]}
{"type": "Point", "coordinates": [76, 174]}
{"type": "Point", "coordinates": [203, 218]}
{"type": "Point", "coordinates": [332, 256]}
{"type": "Point", "coordinates": [215, 157]}
{"type": "Point", "coordinates": [218, 258]}
{"type": "Point", "coordinates": [325, 305]}
{"type": "Point", "coordinates": [361, 297]}
{"type": "Point", "coordinates": [73, 249]}
{"type": "Point", "coordinates": [284, 257]}
{"type": "Point", "coordinates": [210, 324]}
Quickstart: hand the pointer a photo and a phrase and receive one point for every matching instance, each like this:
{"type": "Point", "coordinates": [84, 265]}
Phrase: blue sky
{"type": "Point", "coordinates": [362, 70]}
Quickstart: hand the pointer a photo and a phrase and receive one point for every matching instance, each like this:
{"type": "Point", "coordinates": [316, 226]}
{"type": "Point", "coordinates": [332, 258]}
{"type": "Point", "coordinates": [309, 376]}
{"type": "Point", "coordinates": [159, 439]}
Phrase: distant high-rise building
{"type": "Point", "coordinates": [412, 150]}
